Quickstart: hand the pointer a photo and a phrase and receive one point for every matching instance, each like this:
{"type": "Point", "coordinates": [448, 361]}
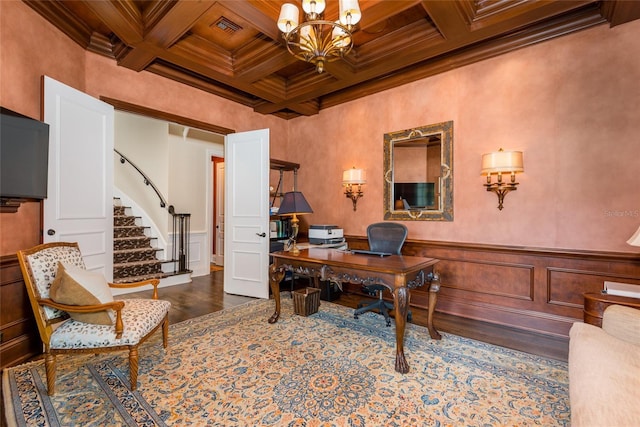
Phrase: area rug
{"type": "Point", "coordinates": [232, 368]}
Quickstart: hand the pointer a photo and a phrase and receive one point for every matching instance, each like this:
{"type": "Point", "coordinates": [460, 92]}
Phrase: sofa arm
{"type": "Point", "coordinates": [622, 322]}
{"type": "Point", "coordinates": [604, 378]}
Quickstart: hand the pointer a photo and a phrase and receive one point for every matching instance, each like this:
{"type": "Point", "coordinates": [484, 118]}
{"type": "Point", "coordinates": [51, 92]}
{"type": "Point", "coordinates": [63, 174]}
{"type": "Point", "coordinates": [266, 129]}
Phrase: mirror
{"type": "Point", "coordinates": [418, 173]}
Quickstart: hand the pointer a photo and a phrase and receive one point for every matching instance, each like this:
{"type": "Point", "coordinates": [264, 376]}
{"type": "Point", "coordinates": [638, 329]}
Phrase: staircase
{"type": "Point", "coordinates": [134, 256]}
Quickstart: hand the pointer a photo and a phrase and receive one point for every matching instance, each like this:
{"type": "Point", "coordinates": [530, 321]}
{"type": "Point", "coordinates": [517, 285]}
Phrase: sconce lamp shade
{"type": "Point", "coordinates": [353, 176]}
{"type": "Point", "coordinates": [635, 239]}
{"type": "Point", "coordinates": [502, 161]}
{"type": "Point", "coordinates": [294, 203]}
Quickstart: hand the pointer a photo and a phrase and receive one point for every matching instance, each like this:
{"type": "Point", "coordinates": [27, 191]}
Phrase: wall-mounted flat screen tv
{"type": "Point", "coordinates": [24, 156]}
{"type": "Point", "coordinates": [420, 195]}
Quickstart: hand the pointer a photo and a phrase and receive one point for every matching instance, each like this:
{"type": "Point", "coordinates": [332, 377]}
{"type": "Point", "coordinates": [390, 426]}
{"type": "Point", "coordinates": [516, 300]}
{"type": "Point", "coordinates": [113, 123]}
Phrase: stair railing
{"type": "Point", "coordinates": [181, 223]}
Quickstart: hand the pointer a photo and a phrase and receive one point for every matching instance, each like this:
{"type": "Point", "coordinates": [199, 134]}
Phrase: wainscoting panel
{"type": "Point", "coordinates": [198, 258]}
{"type": "Point", "coordinates": [487, 278]}
{"type": "Point", "coordinates": [534, 289]}
{"type": "Point", "coordinates": [19, 339]}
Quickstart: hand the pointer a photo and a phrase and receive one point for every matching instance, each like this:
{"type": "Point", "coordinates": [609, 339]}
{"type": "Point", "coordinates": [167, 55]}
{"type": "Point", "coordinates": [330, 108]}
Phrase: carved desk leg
{"type": "Point", "coordinates": [401, 305]}
{"type": "Point", "coordinates": [275, 277]}
{"type": "Point", "coordinates": [433, 297]}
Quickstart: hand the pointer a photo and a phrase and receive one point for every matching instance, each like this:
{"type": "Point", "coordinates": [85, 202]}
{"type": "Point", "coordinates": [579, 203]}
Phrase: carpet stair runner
{"type": "Point", "coordinates": [134, 257]}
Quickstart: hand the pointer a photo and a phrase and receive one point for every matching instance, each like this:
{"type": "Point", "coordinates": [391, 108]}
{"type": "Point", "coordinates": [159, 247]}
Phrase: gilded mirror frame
{"type": "Point", "coordinates": [445, 210]}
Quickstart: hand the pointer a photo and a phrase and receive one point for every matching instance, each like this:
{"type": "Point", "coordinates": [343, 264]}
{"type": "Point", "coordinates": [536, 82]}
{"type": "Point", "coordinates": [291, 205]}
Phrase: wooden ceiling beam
{"type": "Point", "coordinates": [60, 16]}
{"type": "Point", "coordinates": [447, 19]}
{"type": "Point", "coordinates": [200, 83]}
{"type": "Point", "coordinates": [123, 18]}
{"type": "Point", "coordinates": [162, 33]}
{"type": "Point", "coordinates": [262, 14]}
{"type": "Point", "coordinates": [619, 11]}
{"type": "Point", "coordinates": [382, 10]}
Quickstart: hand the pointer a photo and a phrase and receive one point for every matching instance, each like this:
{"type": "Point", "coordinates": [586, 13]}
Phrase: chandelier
{"type": "Point", "coordinates": [317, 40]}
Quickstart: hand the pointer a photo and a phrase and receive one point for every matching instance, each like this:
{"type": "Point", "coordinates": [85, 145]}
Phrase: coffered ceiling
{"type": "Point", "coordinates": [232, 48]}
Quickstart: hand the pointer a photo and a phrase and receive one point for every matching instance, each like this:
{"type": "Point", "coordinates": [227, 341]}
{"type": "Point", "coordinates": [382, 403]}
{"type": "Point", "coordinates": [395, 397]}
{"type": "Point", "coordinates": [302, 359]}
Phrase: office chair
{"type": "Point", "coordinates": [383, 237]}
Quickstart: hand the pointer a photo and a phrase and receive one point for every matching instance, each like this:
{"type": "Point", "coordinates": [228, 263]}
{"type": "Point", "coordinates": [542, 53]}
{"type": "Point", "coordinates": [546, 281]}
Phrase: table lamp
{"type": "Point", "coordinates": [293, 204]}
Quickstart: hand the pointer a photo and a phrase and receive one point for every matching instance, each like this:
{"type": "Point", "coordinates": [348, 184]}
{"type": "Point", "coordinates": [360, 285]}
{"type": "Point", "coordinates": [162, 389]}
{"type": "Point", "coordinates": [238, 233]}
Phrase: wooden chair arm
{"type": "Point", "coordinates": [116, 306]}
{"type": "Point", "coordinates": [153, 282]}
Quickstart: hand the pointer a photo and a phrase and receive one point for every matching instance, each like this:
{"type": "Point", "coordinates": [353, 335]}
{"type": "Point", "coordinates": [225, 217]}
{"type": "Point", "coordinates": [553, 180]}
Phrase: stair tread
{"type": "Point", "coordinates": [134, 250]}
{"type": "Point", "coordinates": [133, 263]}
{"type": "Point", "coordinates": [132, 279]}
{"type": "Point", "coordinates": [134, 237]}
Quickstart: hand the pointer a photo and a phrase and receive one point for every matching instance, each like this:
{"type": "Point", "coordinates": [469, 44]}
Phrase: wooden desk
{"type": "Point", "coordinates": [397, 273]}
{"type": "Point", "coordinates": [596, 302]}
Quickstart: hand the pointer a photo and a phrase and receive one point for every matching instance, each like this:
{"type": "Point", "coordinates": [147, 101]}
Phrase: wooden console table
{"type": "Point", "coordinates": [596, 302]}
{"type": "Point", "coordinates": [397, 273]}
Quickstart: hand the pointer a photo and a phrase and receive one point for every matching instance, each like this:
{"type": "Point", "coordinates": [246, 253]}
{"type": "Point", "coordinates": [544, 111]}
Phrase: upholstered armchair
{"type": "Point", "coordinates": [75, 311]}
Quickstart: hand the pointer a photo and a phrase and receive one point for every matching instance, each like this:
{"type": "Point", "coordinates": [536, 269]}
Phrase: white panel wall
{"type": "Point", "coordinates": [190, 178]}
{"type": "Point", "coordinates": [145, 142]}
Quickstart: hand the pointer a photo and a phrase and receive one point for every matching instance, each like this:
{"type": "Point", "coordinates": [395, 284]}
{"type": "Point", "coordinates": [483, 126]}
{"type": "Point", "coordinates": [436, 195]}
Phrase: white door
{"type": "Point", "coordinates": [246, 239]}
{"type": "Point", "coordinates": [219, 230]}
{"type": "Point", "coordinates": [79, 206]}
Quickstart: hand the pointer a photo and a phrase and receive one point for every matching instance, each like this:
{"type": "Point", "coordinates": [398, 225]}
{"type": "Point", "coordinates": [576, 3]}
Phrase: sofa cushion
{"type": "Point", "coordinates": [604, 378]}
{"type": "Point", "coordinates": [77, 286]}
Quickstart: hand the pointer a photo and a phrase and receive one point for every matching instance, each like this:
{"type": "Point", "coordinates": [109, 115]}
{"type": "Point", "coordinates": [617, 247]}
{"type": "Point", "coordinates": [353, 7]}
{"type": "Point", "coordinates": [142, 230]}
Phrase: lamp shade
{"type": "Point", "coordinates": [313, 6]}
{"type": "Point", "coordinates": [353, 176]}
{"type": "Point", "coordinates": [635, 239]}
{"type": "Point", "coordinates": [294, 202]}
{"type": "Point", "coordinates": [288, 18]}
{"type": "Point", "coordinates": [502, 161]}
{"type": "Point", "coordinates": [349, 12]}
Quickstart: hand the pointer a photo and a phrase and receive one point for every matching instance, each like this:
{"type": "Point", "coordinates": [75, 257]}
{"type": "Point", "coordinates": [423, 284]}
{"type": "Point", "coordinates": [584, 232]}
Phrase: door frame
{"type": "Point", "coordinates": [210, 188]}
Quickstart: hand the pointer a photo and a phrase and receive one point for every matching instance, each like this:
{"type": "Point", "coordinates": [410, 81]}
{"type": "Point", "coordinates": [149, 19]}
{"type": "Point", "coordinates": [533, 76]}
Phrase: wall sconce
{"type": "Point", "coordinates": [500, 162]}
{"type": "Point", "coordinates": [350, 178]}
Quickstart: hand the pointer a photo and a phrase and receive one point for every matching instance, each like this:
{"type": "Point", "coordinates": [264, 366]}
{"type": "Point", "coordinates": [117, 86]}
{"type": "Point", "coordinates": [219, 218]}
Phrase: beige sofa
{"type": "Point", "coordinates": [604, 370]}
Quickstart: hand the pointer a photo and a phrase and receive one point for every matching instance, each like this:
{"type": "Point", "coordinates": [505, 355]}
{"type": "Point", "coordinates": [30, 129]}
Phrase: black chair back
{"type": "Point", "coordinates": [386, 237]}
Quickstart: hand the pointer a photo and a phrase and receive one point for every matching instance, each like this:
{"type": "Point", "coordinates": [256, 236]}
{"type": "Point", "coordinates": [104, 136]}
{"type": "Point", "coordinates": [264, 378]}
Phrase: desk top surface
{"type": "Point", "coordinates": [340, 258]}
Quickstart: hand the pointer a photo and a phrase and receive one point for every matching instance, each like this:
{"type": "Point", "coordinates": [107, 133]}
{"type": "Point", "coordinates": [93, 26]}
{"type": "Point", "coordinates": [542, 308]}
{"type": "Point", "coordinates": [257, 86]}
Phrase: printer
{"type": "Point", "coordinates": [325, 234]}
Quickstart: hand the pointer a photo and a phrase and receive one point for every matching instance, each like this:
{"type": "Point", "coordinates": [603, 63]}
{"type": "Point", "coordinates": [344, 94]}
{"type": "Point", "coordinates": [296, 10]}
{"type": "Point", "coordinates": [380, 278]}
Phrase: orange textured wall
{"type": "Point", "coordinates": [571, 104]}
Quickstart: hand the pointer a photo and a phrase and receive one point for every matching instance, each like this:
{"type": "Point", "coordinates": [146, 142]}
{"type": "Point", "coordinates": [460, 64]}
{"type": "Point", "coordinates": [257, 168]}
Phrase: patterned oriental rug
{"type": "Point", "coordinates": [231, 368]}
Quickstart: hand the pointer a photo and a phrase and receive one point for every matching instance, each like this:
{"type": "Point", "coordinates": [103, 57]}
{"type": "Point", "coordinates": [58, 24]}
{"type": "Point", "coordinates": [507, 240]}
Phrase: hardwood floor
{"type": "Point", "coordinates": [205, 295]}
